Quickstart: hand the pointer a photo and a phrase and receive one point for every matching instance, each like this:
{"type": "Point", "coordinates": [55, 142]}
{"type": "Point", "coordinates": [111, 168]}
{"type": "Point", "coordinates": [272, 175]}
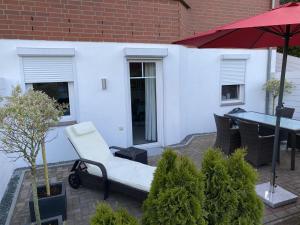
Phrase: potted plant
{"type": "Point", "coordinates": [24, 122]}
{"type": "Point", "coordinates": [272, 87]}
{"type": "Point", "coordinates": [52, 198]}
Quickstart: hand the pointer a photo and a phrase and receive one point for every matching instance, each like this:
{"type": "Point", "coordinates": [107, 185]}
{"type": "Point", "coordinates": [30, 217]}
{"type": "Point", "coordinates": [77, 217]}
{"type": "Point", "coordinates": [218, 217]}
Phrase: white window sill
{"type": "Point", "coordinates": [65, 123]}
{"type": "Point", "coordinates": [231, 103]}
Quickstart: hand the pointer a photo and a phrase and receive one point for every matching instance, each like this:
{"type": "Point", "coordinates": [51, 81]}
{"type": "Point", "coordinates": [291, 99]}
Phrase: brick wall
{"type": "Point", "coordinates": [155, 21]}
{"type": "Point", "coordinates": [212, 13]}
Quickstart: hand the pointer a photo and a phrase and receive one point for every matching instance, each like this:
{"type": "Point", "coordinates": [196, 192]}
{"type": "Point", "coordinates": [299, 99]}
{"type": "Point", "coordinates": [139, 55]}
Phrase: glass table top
{"type": "Point", "coordinates": [285, 123]}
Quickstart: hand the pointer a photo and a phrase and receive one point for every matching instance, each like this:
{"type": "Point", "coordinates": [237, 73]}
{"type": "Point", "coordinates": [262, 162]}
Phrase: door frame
{"type": "Point", "coordinates": [159, 103]}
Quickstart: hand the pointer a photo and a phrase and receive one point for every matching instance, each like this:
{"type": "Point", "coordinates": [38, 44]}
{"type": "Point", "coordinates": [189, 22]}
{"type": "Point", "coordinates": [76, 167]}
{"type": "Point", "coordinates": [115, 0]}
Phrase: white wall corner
{"type": "Point", "coordinates": [146, 52]}
{"type": "Point", "coordinates": [45, 51]}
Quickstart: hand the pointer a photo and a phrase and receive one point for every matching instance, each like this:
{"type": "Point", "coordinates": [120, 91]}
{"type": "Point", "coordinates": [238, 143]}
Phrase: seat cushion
{"type": "Point", "coordinates": [130, 173]}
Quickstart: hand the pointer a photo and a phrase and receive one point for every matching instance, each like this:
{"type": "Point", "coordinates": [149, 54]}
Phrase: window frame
{"type": "Point", "coordinates": [67, 118]}
{"type": "Point", "coordinates": [241, 96]}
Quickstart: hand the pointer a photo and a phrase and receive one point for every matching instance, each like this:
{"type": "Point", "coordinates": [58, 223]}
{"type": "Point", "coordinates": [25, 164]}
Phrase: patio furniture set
{"type": "Point", "coordinates": [127, 171]}
{"type": "Point", "coordinates": [255, 131]}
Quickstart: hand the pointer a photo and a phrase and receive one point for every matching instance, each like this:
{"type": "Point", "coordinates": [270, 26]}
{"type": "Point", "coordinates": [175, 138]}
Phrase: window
{"type": "Point", "coordinates": [62, 92]}
{"type": "Point", "coordinates": [230, 92]}
{"type": "Point", "coordinates": [233, 81]}
{"type": "Point", "coordinates": [58, 91]}
{"type": "Point", "coordinates": [54, 76]}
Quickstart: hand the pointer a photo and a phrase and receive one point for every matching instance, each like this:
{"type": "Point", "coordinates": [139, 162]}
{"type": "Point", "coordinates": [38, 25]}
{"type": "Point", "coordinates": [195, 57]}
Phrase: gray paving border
{"type": "Point", "coordinates": [188, 139]}
{"type": "Point", "coordinates": [15, 198]}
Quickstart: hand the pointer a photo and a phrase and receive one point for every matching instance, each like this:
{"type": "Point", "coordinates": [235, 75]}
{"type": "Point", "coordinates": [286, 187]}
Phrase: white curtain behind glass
{"type": "Point", "coordinates": [150, 102]}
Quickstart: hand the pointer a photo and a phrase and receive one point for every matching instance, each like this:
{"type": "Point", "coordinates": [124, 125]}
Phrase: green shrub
{"type": "Point", "coordinates": [220, 198]}
{"type": "Point", "coordinates": [176, 195]}
{"type": "Point", "coordinates": [229, 188]}
{"type": "Point", "coordinates": [250, 207]}
{"type": "Point", "coordinates": [104, 215]}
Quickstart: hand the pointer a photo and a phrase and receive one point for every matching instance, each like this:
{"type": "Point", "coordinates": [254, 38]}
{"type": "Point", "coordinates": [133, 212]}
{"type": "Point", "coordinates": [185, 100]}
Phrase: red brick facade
{"type": "Point", "coordinates": [155, 21]}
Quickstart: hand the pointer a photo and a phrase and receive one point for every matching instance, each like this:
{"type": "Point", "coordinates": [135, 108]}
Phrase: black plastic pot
{"type": "Point", "coordinates": [52, 221]}
{"type": "Point", "coordinates": [52, 206]}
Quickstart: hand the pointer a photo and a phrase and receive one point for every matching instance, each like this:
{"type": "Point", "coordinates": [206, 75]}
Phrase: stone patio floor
{"type": "Point", "coordinates": [82, 202]}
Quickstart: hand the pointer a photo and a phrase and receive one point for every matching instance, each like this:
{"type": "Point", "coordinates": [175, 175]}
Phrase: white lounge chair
{"type": "Point", "coordinates": [99, 168]}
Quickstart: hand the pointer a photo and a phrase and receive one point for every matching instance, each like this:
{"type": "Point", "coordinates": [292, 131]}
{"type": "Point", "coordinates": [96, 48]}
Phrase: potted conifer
{"type": "Point", "coordinates": [25, 120]}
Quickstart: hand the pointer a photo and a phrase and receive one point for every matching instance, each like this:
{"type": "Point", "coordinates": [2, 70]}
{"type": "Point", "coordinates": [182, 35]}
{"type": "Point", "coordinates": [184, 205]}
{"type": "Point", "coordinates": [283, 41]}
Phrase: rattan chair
{"type": "Point", "coordinates": [289, 141]}
{"type": "Point", "coordinates": [228, 138]}
{"type": "Point", "coordinates": [259, 148]}
{"type": "Point", "coordinates": [233, 111]}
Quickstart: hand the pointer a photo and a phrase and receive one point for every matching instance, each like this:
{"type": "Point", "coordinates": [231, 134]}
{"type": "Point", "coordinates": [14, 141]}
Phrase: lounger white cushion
{"type": "Point", "coordinates": [90, 145]}
{"type": "Point", "coordinates": [128, 172]}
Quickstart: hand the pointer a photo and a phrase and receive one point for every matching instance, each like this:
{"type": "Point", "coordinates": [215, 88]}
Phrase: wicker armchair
{"type": "Point", "coordinates": [228, 138]}
{"type": "Point", "coordinates": [259, 148]}
{"type": "Point", "coordinates": [289, 141]}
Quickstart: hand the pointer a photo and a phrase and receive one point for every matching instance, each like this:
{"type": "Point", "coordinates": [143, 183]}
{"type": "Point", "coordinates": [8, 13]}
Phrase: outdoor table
{"type": "Point", "coordinates": [290, 125]}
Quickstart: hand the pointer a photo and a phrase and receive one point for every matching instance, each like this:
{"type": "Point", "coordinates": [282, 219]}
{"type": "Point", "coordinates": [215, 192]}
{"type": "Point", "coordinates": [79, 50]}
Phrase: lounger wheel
{"type": "Point", "coordinates": [74, 180]}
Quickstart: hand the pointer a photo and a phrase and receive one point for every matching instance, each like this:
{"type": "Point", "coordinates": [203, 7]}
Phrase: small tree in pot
{"type": "Point", "coordinates": [272, 87]}
{"type": "Point", "coordinates": [25, 120]}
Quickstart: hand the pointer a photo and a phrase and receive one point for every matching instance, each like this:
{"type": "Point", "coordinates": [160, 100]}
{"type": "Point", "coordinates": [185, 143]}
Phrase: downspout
{"type": "Point", "coordinates": [267, 106]}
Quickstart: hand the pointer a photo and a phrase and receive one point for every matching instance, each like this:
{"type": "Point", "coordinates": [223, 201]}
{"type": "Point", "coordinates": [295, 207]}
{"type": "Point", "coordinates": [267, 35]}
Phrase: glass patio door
{"type": "Point", "coordinates": [143, 102]}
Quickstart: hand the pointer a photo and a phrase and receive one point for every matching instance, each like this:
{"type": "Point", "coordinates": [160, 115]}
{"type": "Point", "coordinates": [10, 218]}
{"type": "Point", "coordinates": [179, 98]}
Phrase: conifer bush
{"type": "Point", "coordinates": [104, 215]}
{"type": "Point", "coordinates": [250, 207]}
{"type": "Point", "coordinates": [220, 198]}
{"type": "Point", "coordinates": [229, 188]}
{"type": "Point", "coordinates": [176, 195]}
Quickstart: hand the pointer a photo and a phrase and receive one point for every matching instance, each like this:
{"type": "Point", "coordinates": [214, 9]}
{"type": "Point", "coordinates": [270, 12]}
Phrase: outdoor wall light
{"type": "Point", "coordinates": [103, 83]}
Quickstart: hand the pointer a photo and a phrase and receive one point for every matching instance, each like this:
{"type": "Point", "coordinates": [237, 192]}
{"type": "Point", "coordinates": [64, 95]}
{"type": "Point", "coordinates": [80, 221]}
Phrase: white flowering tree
{"type": "Point", "coordinates": [25, 120]}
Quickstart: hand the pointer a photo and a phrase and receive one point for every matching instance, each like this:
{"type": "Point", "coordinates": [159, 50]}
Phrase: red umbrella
{"type": "Point", "coordinates": [279, 27]}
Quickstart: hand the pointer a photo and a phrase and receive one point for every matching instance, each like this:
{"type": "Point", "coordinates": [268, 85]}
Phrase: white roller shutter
{"type": "Point", "coordinates": [48, 69]}
{"type": "Point", "coordinates": [233, 71]}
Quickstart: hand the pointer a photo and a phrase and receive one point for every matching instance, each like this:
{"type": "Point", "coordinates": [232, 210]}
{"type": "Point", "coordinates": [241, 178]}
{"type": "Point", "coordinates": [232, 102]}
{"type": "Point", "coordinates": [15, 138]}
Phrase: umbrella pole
{"type": "Point", "coordinates": [269, 192]}
{"type": "Point", "coordinates": [279, 109]}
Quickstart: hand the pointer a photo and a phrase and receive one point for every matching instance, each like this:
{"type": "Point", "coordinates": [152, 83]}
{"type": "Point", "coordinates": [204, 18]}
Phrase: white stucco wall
{"type": "Point", "coordinates": [200, 85]}
{"type": "Point", "coordinates": [191, 89]}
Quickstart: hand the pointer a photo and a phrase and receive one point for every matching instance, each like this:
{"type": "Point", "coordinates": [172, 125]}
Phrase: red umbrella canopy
{"type": "Point", "coordinates": [265, 30]}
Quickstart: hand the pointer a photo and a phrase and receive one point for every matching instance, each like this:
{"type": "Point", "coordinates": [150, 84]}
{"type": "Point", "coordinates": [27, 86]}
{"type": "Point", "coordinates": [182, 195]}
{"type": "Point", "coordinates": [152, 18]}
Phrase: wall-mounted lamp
{"type": "Point", "coordinates": [103, 83]}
